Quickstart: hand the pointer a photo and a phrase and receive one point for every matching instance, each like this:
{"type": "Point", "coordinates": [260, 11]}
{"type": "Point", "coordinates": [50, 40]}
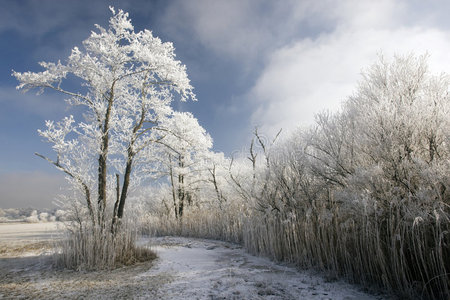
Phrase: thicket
{"type": "Point", "coordinates": [363, 194]}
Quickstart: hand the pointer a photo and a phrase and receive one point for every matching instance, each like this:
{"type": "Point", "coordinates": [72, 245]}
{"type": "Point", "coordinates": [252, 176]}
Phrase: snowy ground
{"type": "Point", "coordinates": [185, 269]}
{"type": "Point", "coordinates": [22, 239]}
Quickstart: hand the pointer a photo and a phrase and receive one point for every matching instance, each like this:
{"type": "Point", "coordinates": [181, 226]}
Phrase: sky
{"type": "Point", "coordinates": [270, 64]}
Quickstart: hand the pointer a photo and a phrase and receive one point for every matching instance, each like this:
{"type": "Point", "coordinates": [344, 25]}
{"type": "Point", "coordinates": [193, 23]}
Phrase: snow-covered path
{"type": "Point", "coordinates": [185, 269]}
{"type": "Point", "coordinates": [205, 269]}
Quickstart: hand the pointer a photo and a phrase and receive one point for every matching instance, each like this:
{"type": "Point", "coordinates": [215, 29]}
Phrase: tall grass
{"type": "Point", "coordinates": [387, 251]}
{"type": "Point", "coordinates": [200, 223]}
{"type": "Point", "coordinates": [406, 258]}
{"type": "Point", "coordinates": [88, 248]}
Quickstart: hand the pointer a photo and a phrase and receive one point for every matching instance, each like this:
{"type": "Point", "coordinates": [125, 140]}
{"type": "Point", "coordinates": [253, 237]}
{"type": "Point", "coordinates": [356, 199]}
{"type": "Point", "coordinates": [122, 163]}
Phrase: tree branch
{"type": "Point", "coordinates": [78, 179]}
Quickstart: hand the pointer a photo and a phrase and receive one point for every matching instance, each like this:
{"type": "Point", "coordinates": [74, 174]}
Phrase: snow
{"type": "Point", "coordinates": [186, 269]}
{"type": "Point", "coordinates": [26, 231]}
{"type": "Point", "coordinates": [24, 239]}
{"type": "Point", "coordinates": [205, 269]}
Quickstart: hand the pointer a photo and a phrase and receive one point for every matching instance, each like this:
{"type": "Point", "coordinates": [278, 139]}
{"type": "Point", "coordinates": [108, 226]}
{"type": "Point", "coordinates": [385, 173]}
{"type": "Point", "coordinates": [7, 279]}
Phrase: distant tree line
{"type": "Point", "coordinates": [32, 215]}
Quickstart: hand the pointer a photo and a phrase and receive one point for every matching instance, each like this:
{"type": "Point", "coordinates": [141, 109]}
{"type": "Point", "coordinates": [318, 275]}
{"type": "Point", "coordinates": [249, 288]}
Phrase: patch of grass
{"type": "Point", "coordinates": [138, 255]}
{"type": "Point", "coordinates": [18, 249]}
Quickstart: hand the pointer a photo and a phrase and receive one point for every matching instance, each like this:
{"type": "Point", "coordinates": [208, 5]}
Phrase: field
{"type": "Point", "coordinates": [185, 269]}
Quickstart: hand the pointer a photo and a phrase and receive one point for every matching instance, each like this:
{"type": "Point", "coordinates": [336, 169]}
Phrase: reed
{"type": "Point", "coordinates": [87, 248]}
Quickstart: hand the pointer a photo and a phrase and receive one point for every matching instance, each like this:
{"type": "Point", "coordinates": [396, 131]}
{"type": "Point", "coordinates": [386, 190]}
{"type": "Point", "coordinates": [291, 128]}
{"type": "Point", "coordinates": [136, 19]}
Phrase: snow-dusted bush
{"type": "Point", "coordinates": [31, 215]}
{"type": "Point", "coordinates": [14, 213]}
{"type": "Point", "coordinates": [33, 218]}
{"type": "Point", "coordinates": [44, 217]}
{"type": "Point", "coordinates": [61, 215]}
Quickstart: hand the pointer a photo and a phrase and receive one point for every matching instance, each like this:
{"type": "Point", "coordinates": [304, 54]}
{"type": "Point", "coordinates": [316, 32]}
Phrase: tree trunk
{"type": "Point", "coordinates": [174, 196]}
{"type": "Point", "coordinates": [219, 195]}
{"type": "Point", "coordinates": [87, 193]}
{"type": "Point", "coordinates": [116, 205]}
{"type": "Point", "coordinates": [181, 202]}
{"type": "Point", "coordinates": [101, 186]}
{"type": "Point", "coordinates": [126, 184]}
{"type": "Point", "coordinates": [102, 161]}
{"type": "Point", "coordinates": [181, 191]}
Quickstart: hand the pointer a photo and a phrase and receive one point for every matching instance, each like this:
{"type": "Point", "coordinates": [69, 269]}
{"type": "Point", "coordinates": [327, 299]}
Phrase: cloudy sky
{"type": "Point", "coordinates": [271, 64]}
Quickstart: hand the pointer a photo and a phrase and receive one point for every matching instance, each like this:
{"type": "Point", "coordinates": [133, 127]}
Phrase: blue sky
{"type": "Point", "coordinates": [272, 64]}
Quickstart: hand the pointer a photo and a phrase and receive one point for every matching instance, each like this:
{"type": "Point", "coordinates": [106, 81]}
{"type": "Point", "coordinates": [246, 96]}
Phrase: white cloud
{"type": "Point", "coordinates": [310, 75]}
{"type": "Point", "coordinates": [367, 14]}
{"type": "Point", "coordinates": [308, 55]}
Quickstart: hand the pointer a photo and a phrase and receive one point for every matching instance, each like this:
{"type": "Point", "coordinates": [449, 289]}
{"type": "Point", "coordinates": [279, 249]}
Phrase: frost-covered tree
{"type": "Point", "coordinates": [218, 175]}
{"type": "Point", "coordinates": [184, 155]}
{"type": "Point", "coordinates": [127, 81]}
{"type": "Point", "coordinates": [368, 187]}
{"type": "Point", "coordinates": [363, 194]}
